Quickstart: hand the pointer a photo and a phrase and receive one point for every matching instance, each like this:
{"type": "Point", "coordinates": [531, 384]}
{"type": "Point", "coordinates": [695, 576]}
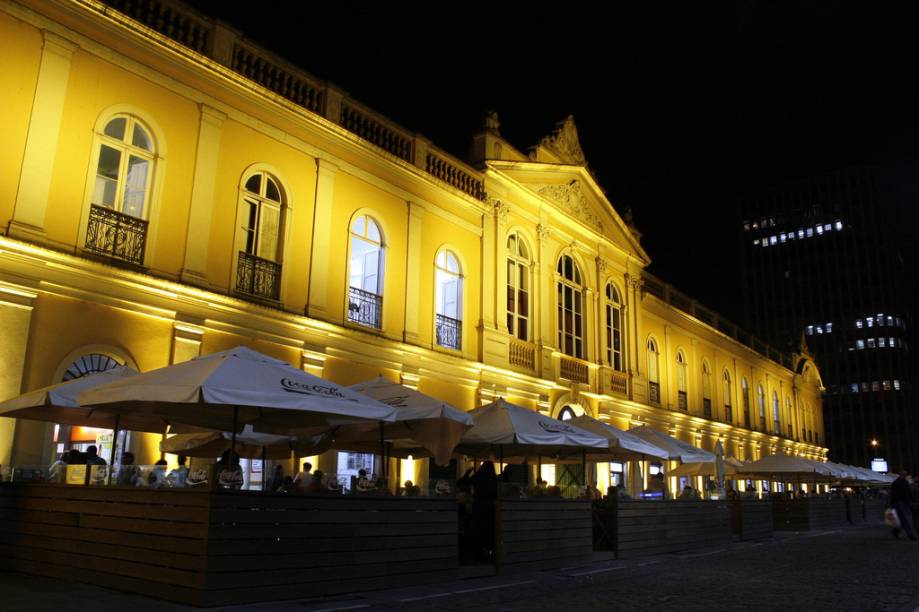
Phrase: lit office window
{"type": "Point", "coordinates": [864, 387]}
{"type": "Point", "coordinates": [819, 329]}
{"type": "Point", "coordinates": [819, 230]}
{"type": "Point", "coordinates": [886, 385]}
{"type": "Point", "coordinates": [859, 323]}
{"type": "Point", "coordinates": [896, 385]}
{"type": "Point", "coordinates": [829, 328]}
{"type": "Point", "coordinates": [870, 321]}
{"type": "Point", "coordinates": [828, 227]}
{"type": "Point", "coordinates": [882, 342]}
{"type": "Point", "coordinates": [889, 321]}
{"type": "Point", "coordinates": [854, 387]}
{"type": "Point", "coordinates": [782, 237]}
{"type": "Point", "coordinates": [838, 225]}
{"type": "Point", "coordinates": [756, 242]}
{"type": "Point", "coordinates": [772, 240]}
{"type": "Point", "coordinates": [871, 343]}
{"type": "Point", "coordinates": [810, 330]}
{"type": "Point", "coordinates": [875, 385]}
{"type": "Point", "coordinates": [810, 232]}
{"type": "Point", "coordinates": [890, 342]}
{"type": "Point", "coordinates": [800, 234]}
{"type": "Point", "coordinates": [860, 344]}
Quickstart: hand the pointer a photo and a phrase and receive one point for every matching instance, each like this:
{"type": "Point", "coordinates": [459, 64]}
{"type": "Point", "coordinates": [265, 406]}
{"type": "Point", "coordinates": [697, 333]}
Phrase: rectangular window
{"type": "Point", "coordinates": [838, 225]}
{"type": "Point", "coordinates": [810, 330]}
{"type": "Point", "coordinates": [859, 324]}
{"type": "Point", "coordinates": [871, 343]}
{"type": "Point", "coordinates": [810, 232]}
{"type": "Point", "coordinates": [860, 344]}
{"type": "Point", "coordinates": [870, 321]}
{"type": "Point", "coordinates": [829, 328]}
{"type": "Point", "coordinates": [854, 387]}
{"type": "Point", "coordinates": [882, 342]}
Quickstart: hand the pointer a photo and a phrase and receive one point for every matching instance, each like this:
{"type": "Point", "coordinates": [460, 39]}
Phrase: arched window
{"type": "Point", "coordinates": [566, 414]}
{"type": "Point", "coordinates": [119, 208]}
{"type": "Point", "coordinates": [449, 298]}
{"type": "Point", "coordinates": [777, 427]}
{"type": "Point", "coordinates": [614, 328]}
{"type": "Point", "coordinates": [262, 205]}
{"type": "Point", "coordinates": [365, 273]}
{"type": "Point", "coordinates": [745, 391]}
{"type": "Point", "coordinates": [570, 308]}
{"type": "Point", "coordinates": [762, 408]}
{"type": "Point", "coordinates": [706, 390]}
{"type": "Point", "coordinates": [518, 288]}
{"type": "Point", "coordinates": [67, 436]}
{"type": "Point", "coordinates": [726, 392]}
{"type": "Point", "coordinates": [654, 360]}
{"type": "Point", "coordinates": [682, 377]}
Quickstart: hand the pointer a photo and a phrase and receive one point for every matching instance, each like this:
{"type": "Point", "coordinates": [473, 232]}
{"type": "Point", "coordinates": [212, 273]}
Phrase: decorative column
{"type": "Point", "coordinates": [488, 288]}
{"type": "Point", "coordinates": [694, 373]}
{"type": "Point", "coordinates": [41, 140]}
{"type": "Point", "coordinates": [194, 270]}
{"type": "Point", "coordinates": [668, 368]}
{"type": "Point", "coordinates": [501, 210]}
{"type": "Point", "coordinates": [545, 275]}
{"type": "Point", "coordinates": [599, 304]}
{"type": "Point", "coordinates": [317, 306]}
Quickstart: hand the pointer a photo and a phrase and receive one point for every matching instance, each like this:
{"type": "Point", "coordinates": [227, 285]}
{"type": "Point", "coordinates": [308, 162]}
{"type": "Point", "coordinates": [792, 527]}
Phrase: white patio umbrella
{"type": "Point", "coordinates": [676, 449]}
{"type": "Point", "coordinates": [506, 430]}
{"type": "Point", "coordinates": [249, 444]}
{"type": "Point", "coordinates": [423, 424]}
{"type": "Point", "coordinates": [789, 467]}
{"type": "Point", "coordinates": [623, 446]}
{"type": "Point", "coordinates": [226, 390]}
{"type": "Point", "coordinates": [698, 468]}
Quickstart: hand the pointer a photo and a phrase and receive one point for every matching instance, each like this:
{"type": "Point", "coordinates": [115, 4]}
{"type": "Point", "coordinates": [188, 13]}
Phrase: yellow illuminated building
{"type": "Point", "coordinates": [171, 189]}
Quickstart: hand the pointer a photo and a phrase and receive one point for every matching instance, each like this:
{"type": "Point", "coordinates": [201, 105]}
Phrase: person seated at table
{"type": "Point", "coordinates": [658, 485]}
{"type": "Point", "coordinates": [128, 474]}
{"type": "Point", "coordinates": [286, 485]}
{"type": "Point", "coordinates": [75, 457]}
{"type": "Point", "coordinates": [410, 490]}
{"type": "Point", "coordinates": [363, 483]}
{"type": "Point", "coordinates": [58, 470]}
{"type": "Point", "coordinates": [687, 494]}
{"type": "Point", "coordinates": [621, 493]}
{"type": "Point", "coordinates": [315, 485]}
{"type": "Point", "coordinates": [178, 476]}
{"type": "Point", "coordinates": [228, 473]}
{"type": "Point", "coordinates": [277, 477]}
{"type": "Point", "coordinates": [157, 476]}
{"type": "Point", "coordinates": [92, 456]}
{"type": "Point", "coordinates": [303, 477]}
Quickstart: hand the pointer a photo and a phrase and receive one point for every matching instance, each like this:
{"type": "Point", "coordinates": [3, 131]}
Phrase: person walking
{"type": "Point", "coordinates": [899, 501]}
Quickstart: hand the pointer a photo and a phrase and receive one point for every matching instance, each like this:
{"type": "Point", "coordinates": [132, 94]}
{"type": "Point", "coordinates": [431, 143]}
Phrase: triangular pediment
{"type": "Point", "coordinates": [562, 146]}
{"type": "Point", "coordinates": [572, 190]}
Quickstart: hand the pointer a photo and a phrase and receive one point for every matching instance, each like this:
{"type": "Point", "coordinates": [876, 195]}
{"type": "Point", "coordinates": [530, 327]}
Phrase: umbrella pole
{"type": "Point", "coordinates": [162, 452]}
{"type": "Point", "coordinates": [233, 434]}
{"type": "Point", "coordinates": [584, 467]}
{"type": "Point", "coordinates": [538, 468]}
{"type": "Point", "coordinates": [382, 452]}
{"type": "Point", "coordinates": [111, 467]}
{"type": "Point", "coordinates": [264, 472]}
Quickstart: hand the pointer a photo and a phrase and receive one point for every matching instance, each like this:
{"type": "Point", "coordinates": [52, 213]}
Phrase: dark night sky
{"type": "Point", "coordinates": [680, 109]}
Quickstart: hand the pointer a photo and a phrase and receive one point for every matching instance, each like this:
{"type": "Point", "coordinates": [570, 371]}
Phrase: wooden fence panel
{"type": "Point", "coordinates": [542, 533]}
{"type": "Point", "coordinates": [654, 527]}
{"type": "Point", "coordinates": [751, 519]}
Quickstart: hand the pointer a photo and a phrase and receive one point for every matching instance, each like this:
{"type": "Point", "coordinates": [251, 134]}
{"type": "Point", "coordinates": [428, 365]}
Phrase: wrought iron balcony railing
{"type": "Point", "coordinates": [449, 332]}
{"type": "Point", "coordinates": [258, 277]}
{"type": "Point", "coordinates": [116, 235]}
{"type": "Point", "coordinates": [654, 392]}
{"type": "Point", "coordinates": [365, 308]}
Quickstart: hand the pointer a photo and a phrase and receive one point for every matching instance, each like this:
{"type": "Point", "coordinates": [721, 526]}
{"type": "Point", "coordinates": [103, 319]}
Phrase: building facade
{"type": "Point", "coordinates": [821, 263]}
{"type": "Point", "coordinates": [177, 190]}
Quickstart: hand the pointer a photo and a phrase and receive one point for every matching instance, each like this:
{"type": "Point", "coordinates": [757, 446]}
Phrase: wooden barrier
{"type": "Point", "coordinates": [542, 533]}
{"type": "Point", "coordinates": [215, 548]}
{"type": "Point", "coordinates": [855, 510]}
{"type": "Point", "coordinates": [653, 527]}
{"type": "Point", "coordinates": [807, 513]}
{"type": "Point", "coordinates": [751, 519]}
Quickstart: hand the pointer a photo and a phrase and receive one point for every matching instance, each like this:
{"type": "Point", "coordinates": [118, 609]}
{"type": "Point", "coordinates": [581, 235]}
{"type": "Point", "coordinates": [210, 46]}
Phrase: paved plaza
{"type": "Point", "coordinates": [847, 569]}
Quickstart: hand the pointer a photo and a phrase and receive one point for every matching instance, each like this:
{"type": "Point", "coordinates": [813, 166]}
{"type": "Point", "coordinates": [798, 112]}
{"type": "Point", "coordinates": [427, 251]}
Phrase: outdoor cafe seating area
{"type": "Point", "coordinates": [208, 534]}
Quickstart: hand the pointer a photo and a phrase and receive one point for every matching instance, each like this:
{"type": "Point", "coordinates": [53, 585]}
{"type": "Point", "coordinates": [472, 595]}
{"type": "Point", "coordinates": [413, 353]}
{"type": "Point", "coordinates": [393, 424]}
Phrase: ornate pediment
{"type": "Point", "coordinates": [565, 144]}
{"type": "Point", "coordinates": [570, 197]}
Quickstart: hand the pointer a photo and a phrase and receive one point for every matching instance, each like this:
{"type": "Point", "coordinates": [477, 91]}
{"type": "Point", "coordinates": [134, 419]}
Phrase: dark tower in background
{"type": "Point", "coordinates": [821, 262]}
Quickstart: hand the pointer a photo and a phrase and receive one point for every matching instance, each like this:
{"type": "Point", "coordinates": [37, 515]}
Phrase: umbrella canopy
{"type": "Point", "coordinates": [623, 446]}
{"type": "Point", "coordinates": [423, 424]}
{"type": "Point", "coordinates": [676, 449]}
{"type": "Point", "coordinates": [703, 469]}
{"type": "Point", "coordinates": [514, 431]}
{"type": "Point", "coordinates": [790, 467]}
{"type": "Point", "coordinates": [58, 404]}
{"type": "Point", "coordinates": [265, 392]}
{"type": "Point", "coordinates": [249, 444]}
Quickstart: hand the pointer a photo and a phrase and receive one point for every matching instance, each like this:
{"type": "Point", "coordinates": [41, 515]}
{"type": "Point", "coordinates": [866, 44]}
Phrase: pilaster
{"type": "Point", "coordinates": [201, 213]}
{"type": "Point", "coordinates": [413, 273]}
{"type": "Point", "coordinates": [317, 306]}
{"type": "Point", "coordinates": [16, 305]}
{"type": "Point", "coordinates": [31, 204]}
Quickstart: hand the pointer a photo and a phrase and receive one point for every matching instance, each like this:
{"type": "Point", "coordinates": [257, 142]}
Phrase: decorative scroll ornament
{"type": "Point", "coordinates": [543, 231]}
{"type": "Point", "coordinates": [570, 198]}
{"type": "Point", "coordinates": [564, 143]}
{"type": "Point", "coordinates": [501, 209]}
{"type": "Point", "coordinates": [602, 265]}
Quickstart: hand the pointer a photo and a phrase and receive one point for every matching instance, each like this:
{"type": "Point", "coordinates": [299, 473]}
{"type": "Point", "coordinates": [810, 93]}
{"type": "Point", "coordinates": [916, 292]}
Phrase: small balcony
{"type": "Point", "coordinates": [521, 354]}
{"type": "Point", "coordinates": [449, 332]}
{"type": "Point", "coordinates": [365, 308]}
{"type": "Point", "coordinates": [574, 370]}
{"type": "Point", "coordinates": [619, 382]}
{"type": "Point", "coordinates": [258, 277]}
{"type": "Point", "coordinates": [116, 235]}
{"type": "Point", "coordinates": [654, 393]}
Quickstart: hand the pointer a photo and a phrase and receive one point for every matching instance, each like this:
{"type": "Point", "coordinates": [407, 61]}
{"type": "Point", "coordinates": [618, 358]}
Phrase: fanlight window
{"type": "Point", "coordinates": [614, 328]}
{"type": "Point", "coordinates": [518, 288]}
{"type": "Point", "coordinates": [262, 213]}
{"type": "Point", "coordinates": [570, 302]}
{"type": "Point", "coordinates": [449, 300]}
{"type": "Point", "coordinates": [365, 272]}
{"type": "Point", "coordinates": [125, 167]}
{"type": "Point", "coordinates": [92, 363]}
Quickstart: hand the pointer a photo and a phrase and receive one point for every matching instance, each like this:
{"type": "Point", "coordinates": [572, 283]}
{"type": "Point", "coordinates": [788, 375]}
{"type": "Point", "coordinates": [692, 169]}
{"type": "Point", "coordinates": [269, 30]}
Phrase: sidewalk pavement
{"type": "Point", "coordinates": [862, 568]}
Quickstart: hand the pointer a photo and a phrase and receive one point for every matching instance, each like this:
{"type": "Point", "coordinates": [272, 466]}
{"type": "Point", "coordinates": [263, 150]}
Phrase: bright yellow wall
{"type": "Point", "coordinates": [458, 396]}
{"type": "Point", "coordinates": [20, 54]}
{"type": "Point", "coordinates": [241, 147]}
{"type": "Point", "coordinates": [93, 87]}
